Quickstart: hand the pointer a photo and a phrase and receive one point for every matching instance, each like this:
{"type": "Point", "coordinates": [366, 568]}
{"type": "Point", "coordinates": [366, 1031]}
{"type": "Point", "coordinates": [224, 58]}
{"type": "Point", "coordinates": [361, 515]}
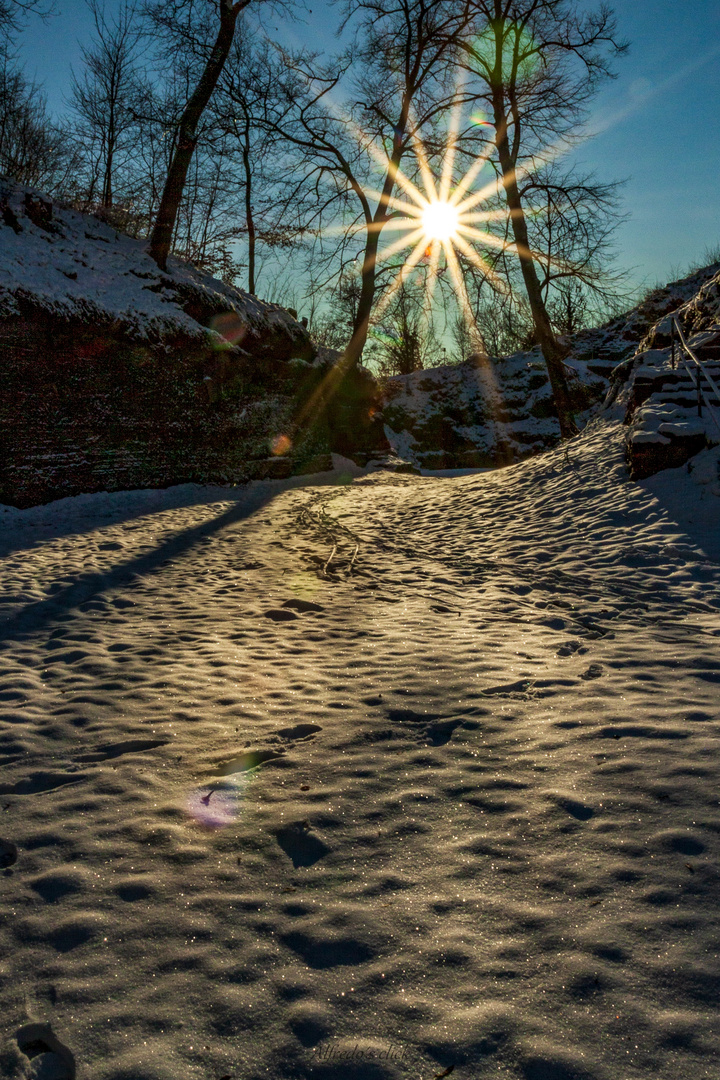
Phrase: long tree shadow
{"type": "Point", "coordinates": [23, 529]}
{"type": "Point", "coordinates": [35, 617]}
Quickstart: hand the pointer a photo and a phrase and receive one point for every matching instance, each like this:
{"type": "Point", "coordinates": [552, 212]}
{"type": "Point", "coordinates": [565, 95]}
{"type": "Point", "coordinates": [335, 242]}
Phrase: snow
{"type": "Point", "coordinates": [470, 414]}
{"type": "Point", "coordinates": [365, 776]}
{"type": "Point", "coordinates": [73, 265]}
{"type": "Point", "coordinates": [672, 411]}
{"type": "Point", "coordinates": [466, 409]}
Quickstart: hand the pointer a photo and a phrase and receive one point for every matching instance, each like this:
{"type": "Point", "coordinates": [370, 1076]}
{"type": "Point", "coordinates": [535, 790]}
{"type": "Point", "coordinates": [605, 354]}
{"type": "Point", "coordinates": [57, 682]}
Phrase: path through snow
{"type": "Point", "coordinates": [364, 780]}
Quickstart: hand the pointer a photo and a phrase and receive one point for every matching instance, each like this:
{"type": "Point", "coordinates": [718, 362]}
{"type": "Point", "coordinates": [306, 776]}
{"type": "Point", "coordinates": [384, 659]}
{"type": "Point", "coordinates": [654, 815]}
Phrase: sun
{"type": "Point", "coordinates": [440, 221]}
{"type": "Point", "coordinates": [446, 221]}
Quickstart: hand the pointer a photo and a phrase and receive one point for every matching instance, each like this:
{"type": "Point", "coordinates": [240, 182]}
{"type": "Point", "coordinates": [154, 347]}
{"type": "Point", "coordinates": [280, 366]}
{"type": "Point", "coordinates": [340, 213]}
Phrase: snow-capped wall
{"type": "Point", "coordinates": [116, 375]}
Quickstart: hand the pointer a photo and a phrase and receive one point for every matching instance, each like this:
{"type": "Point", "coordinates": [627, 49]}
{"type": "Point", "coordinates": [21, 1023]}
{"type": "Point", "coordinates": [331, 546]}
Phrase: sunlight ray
{"type": "Point", "coordinates": [456, 275]}
{"type": "Point", "coordinates": [464, 184]}
{"type": "Point", "coordinates": [380, 155]}
{"type": "Point", "coordinates": [485, 215]}
{"type": "Point", "coordinates": [493, 187]}
{"type": "Point", "coordinates": [481, 264]}
{"type": "Point", "coordinates": [395, 202]}
{"type": "Point", "coordinates": [393, 224]}
{"type": "Point", "coordinates": [432, 277]}
{"type": "Point", "coordinates": [404, 241]}
{"type": "Point", "coordinates": [427, 177]}
{"type": "Point", "coordinates": [446, 220]}
{"type": "Point", "coordinates": [484, 237]}
{"type": "Point", "coordinates": [410, 189]}
{"type": "Point", "coordinates": [450, 146]}
{"type": "Point", "coordinates": [412, 260]}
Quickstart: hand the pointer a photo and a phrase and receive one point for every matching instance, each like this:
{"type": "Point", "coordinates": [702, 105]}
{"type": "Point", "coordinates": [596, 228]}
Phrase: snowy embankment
{"type": "Point", "coordinates": [72, 266]}
{"type": "Point", "coordinates": [470, 414]}
{"type": "Point", "coordinates": [488, 414]}
{"type": "Point", "coordinates": [116, 375]}
{"type": "Point", "coordinates": [365, 780]}
{"type": "Point", "coordinates": [667, 424]}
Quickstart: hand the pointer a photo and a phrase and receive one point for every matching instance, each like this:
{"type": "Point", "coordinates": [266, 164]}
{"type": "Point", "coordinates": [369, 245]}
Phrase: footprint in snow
{"type": "Point", "coordinates": [593, 672]}
{"type": "Point", "coordinates": [300, 844]}
{"type": "Point", "coordinates": [49, 1058]}
{"type": "Point", "coordinates": [577, 809]}
{"type": "Point", "coordinates": [507, 689]}
{"type": "Point", "coordinates": [300, 731]}
{"type": "Point", "coordinates": [290, 608]}
{"type": "Point", "coordinates": [8, 854]}
{"type": "Point", "coordinates": [281, 615]}
{"type": "Point", "coordinates": [305, 606]}
{"type": "Point", "coordinates": [568, 648]}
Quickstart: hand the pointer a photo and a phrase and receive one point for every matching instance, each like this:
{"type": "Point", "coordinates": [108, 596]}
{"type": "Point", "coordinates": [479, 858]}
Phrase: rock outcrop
{"type": "Point", "coordinates": [478, 414]}
{"type": "Point", "coordinates": [482, 414]}
{"type": "Point", "coordinates": [668, 422]}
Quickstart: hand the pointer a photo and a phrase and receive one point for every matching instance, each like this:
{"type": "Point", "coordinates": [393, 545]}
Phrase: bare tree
{"type": "Point", "coordinates": [535, 65]}
{"type": "Point", "coordinates": [352, 135]}
{"type": "Point", "coordinates": [248, 86]}
{"type": "Point", "coordinates": [104, 95]}
{"type": "Point", "coordinates": [241, 99]}
{"type": "Point", "coordinates": [571, 220]}
{"type": "Point", "coordinates": [402, 340]}
{"type": "Point", "coordinates": [33, 150]}
{"type": "Point", "coordinates": [184, 18]}
{"type": "Point", "coordinates": [571, 226]}
{"type": "Point", "coordinates": [12, 19]}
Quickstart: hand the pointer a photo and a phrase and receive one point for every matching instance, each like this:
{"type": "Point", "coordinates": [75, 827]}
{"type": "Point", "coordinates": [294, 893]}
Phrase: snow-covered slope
{"type": "Point", "coordinates": [73, 266]}
{"type": "Point", "coordinates": [470, 414]}
{"type": "Point", "coordinates": [657, 386]}
{"type": "Point", "coordinates": [465, 415]}
{"type": "Point", "coordinates": [364, 781]}
{"type": "Point", "coordinates": [116, 375]}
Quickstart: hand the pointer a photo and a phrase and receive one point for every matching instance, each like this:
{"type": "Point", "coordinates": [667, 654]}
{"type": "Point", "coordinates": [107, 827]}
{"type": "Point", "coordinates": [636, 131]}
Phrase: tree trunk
{"type": "Point", "coordinates": [248, 207]}
{"type": "Point", "coordinates": [162, 233]}
{"type": "Point", "coordinates": [551, 349]}
{"type": "Point", "coordinates": [354, 349]}
{"type": "Point", "coordinates": [107, 183]}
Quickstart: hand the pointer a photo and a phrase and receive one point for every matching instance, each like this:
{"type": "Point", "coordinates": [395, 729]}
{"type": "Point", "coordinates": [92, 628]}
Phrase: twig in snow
{"type": "Point", "coordinates": [332, 553]}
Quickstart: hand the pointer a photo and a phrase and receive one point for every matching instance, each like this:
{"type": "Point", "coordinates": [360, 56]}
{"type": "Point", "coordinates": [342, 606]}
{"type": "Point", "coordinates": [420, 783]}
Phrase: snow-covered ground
{"type": "Point", "coordinates": [366, 778]}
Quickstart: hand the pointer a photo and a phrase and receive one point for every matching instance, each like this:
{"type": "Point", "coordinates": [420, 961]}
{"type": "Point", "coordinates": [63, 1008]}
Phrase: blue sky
{"type": "Point", "coordinates": [659, 121]}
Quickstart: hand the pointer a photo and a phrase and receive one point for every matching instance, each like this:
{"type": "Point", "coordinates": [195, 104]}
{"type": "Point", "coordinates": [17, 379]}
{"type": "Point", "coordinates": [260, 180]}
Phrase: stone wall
{"type": "Point", "coordinates": [85, 409]}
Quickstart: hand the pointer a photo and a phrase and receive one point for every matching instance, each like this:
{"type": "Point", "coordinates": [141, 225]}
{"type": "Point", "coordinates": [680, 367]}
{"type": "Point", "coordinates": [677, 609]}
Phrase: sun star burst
{"type": "Point", "coordinates": [437, 225]}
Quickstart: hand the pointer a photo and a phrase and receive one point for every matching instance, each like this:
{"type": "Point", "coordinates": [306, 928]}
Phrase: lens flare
{"type": "Point", "coordinates": [215, 806]}
{"type": "Point", "coordinates": [230, 327]}
{"type": "Point", "coordinates": [280, 445]}
{"type": "Point", "coordinates": [440, 221]}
